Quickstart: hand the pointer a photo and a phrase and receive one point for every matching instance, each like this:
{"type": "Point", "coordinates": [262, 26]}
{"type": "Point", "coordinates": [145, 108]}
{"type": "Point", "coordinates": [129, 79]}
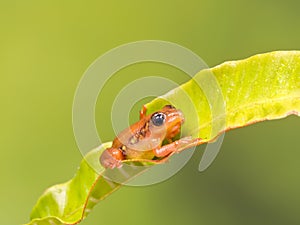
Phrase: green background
{"type": "Point", "coordinates": [45, 47]}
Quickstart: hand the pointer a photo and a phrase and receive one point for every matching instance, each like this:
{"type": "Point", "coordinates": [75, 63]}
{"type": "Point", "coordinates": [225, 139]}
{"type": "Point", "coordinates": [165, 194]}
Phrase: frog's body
{"type": "Point", "coordinates": [139, 140]}
{"type": "Point", "coordinates": [143, 140]}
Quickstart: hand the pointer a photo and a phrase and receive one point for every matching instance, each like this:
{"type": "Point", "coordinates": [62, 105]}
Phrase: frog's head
{"type": "Point", "coordinates": [166, 122]}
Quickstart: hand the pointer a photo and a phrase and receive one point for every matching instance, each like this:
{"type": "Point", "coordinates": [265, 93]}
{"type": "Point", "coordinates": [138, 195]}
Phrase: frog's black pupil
{"type": "Point", "coordinates": [158, 119]}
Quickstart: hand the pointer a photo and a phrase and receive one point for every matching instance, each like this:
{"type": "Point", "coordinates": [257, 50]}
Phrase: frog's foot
{"type": "Point", "coordinates": [143, 112]}
{"type": "Point", "coordinates": [111, 158]}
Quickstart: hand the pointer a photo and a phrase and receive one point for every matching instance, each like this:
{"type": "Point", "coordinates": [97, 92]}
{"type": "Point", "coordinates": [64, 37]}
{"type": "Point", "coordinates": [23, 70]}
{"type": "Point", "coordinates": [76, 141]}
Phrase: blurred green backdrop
{"type": "Point", "coordinates": [45, 47]}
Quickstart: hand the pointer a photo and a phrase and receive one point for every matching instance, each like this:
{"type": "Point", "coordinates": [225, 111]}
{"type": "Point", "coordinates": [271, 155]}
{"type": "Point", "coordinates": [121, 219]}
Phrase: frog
{"type": "Point", "coordinates": [144, 140]}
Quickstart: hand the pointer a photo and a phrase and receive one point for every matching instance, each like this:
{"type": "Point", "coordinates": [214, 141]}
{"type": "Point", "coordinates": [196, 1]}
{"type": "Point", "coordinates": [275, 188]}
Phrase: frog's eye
{"type": "Point", "coordinates": [158, 119]}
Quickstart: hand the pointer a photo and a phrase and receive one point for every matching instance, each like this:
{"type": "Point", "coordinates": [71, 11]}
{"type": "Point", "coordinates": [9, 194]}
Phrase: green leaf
{"type": "Point", "coordinates": [233, 94]}
{"type": "Point", "coordinates": [262, 87]}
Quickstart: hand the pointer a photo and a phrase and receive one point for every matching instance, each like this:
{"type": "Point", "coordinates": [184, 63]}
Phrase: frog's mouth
{"type": "Point", "coordinates": [175, 120]}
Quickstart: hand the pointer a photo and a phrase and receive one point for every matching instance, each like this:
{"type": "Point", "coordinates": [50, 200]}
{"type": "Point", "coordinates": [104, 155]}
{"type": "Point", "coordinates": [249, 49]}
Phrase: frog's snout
{"type": "Point", "coordinates": [176, 118]}
{"type": "Point", "coordinates": [181, 116]}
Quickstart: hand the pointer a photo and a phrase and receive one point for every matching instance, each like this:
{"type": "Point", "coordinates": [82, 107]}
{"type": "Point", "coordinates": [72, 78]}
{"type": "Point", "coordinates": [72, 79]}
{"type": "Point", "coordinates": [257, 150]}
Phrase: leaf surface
{"type": "Point", "coordinates": [231, 95]}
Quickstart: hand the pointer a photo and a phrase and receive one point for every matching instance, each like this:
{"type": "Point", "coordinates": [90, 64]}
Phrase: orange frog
{"type": "Point", "coordinates": [144, 139]}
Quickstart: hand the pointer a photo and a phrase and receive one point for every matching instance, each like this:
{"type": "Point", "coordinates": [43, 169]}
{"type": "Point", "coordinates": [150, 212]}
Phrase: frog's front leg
{"type": "Point", "coordinates": [177, 146]}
